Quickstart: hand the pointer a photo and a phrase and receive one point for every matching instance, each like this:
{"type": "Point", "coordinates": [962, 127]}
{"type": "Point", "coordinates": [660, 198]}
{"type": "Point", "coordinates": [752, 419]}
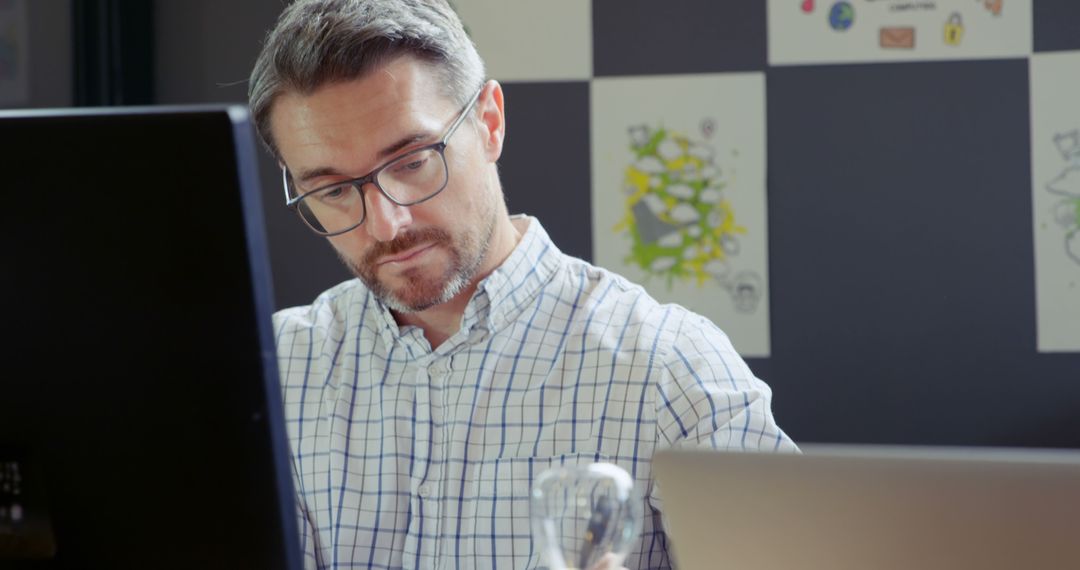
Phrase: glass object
{"type": "Point", "coordinates": [580, 513]}
{"type": "Point", "coordinates": [414, 177]}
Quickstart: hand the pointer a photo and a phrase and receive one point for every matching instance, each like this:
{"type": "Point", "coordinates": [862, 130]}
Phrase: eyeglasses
{"type": "Point", "coordinates": [414, 177]}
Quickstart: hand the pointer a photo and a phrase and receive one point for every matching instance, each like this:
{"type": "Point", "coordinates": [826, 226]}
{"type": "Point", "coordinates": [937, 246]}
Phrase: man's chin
{"type": "Point", "coordinates": [402, 308]}
{"type": "Point", "coordinates": [415, 288]}
{"type": "Point", "coordinates": [392, 288]}
{"type": "Point", "coordinates": [412, 301]}
{"type": "Point", "coordinates": [411, 292]}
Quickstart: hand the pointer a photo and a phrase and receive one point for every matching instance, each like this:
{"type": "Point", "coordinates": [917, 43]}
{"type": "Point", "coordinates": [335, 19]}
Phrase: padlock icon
{"type": "Point", "coordinates": [954, 29]}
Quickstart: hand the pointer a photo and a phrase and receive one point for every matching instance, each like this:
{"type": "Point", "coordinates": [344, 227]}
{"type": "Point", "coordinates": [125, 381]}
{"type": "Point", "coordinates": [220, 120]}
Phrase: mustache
{"type": "Point", "coordinates": [403, 242]}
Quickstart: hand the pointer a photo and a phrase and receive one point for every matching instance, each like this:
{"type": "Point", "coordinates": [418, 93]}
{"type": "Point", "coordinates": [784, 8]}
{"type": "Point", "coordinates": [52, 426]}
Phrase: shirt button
{"type": "Point", "coordinates": [424, 490]}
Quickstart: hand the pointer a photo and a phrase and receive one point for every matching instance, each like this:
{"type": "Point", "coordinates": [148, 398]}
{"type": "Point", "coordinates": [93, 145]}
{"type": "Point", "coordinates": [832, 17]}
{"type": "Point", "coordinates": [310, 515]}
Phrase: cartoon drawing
{"type": "Point", "coordinates": [954, 29]}
{"type": "Point", "coordinates": [679, 200]}
{"type": "Point", "coordinates": [994, 6]}
{"type": "Point", "coordinates": [1067, 185]}
{"type": "Point", "coordinates": [897, 37]}
{"type": "Point", "coordinates": [681, 225]}
{"type": "Point", "coordinates": [746, 290]}
{"type": "Point", "coordinates": [1055, 194]}
{"type": "Point", "coordinates": [841, 16]}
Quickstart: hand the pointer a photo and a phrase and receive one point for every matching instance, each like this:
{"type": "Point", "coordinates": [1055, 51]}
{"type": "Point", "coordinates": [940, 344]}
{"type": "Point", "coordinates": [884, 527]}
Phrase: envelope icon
{"type": "Point", "coordinates": [898, 37]}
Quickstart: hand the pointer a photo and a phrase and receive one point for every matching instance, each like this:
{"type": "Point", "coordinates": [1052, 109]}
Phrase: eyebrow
{"type": "Point", "coordinates": [386, 152]}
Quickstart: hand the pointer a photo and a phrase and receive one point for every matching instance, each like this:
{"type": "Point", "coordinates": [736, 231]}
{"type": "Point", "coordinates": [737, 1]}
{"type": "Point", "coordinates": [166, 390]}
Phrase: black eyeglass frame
{"type": "Point", "coordinates": [373, 176]}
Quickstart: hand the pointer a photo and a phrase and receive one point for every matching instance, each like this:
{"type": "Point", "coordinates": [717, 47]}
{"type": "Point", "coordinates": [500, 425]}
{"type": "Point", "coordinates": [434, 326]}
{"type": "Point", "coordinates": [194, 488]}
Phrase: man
{"type": "Point", "coordinates": [424, 397]}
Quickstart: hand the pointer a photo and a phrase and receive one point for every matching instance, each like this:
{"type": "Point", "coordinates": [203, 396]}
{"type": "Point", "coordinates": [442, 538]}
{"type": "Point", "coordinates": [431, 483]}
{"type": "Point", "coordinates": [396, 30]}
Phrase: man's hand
{"type": "Point", "coordinates": [609, 562]}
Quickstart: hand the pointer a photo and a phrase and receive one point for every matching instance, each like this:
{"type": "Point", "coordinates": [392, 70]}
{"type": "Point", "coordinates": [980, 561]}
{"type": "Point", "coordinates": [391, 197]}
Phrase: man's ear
{"type": "Point", "coordinates": [492, 119]}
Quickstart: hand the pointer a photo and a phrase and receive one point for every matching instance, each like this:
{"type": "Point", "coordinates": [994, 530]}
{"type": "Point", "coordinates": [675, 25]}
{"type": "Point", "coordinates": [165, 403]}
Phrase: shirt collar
{"type": "Point", "coordinates": [503, 294]}
{"type": "Point", "coordinates": [511, 288]}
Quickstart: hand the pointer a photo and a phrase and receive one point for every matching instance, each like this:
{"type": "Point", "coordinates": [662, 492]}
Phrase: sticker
{"type": "Point", "coordinates": [851, 31]}
{"type": "Point", "coordinates": [1055, 198]}
{"type": "Point", "coordinates": [841, 16]}
{"type": "Point", "coordinates": [897, 37]}
{"type": "Point", "coordinates": [994, 6]}
{"type": "Point", "coordinates": [954, 29]}
{"type": "Point", "coordinates": [679, 195]}
{"type": "Point", "coordinates": [1065, 186]}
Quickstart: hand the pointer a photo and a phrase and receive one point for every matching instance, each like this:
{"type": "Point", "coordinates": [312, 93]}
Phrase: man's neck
{"type": "Point", "coordinates": [442, 321]}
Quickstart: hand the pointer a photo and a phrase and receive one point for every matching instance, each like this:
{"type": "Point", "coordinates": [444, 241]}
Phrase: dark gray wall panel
{"type": "Point", "coordinates": [642, 37]}
{"type": "Point", "coordinates": [1057, 25]}
{"type": "Point", "coordinates": [204, 53]}
{"type": "Point", "coordinates": [901, 258]}
{"type": "Point", "coordinates": [545, 164]}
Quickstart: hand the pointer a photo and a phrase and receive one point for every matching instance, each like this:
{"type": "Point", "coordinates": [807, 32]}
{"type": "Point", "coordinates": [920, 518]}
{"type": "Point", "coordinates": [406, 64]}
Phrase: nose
{"type": "Point", "coordinates": [384, 218]}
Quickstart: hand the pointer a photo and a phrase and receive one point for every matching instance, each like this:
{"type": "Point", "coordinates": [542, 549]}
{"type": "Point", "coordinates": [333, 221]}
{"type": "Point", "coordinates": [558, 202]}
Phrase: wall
{"type": "Point", "coordinates": [49, 34]}
{"type": "Point", "coordinates": [205, 51]}
{"type": "Point", "coordinates": [902, 295]}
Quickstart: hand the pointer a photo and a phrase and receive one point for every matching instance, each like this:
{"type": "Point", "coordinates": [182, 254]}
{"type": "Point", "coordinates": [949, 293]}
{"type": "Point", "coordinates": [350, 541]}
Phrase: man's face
{"type": "Point", "coordinates": [414, 257]}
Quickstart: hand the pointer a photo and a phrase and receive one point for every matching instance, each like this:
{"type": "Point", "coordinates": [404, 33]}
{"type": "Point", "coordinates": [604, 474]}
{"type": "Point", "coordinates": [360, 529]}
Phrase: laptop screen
{"type": "Point", "coordinates": [850, 507]}
{"type": "Point", "coordinates": [140, 417]}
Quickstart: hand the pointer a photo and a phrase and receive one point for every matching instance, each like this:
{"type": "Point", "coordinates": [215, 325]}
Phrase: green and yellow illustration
{"type": "Point", "coordinates": [681, 224]}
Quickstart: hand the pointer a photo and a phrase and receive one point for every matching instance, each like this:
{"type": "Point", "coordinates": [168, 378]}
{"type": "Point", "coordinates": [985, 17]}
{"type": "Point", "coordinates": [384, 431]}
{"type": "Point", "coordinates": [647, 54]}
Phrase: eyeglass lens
{"type": "Point", "coordinates": [408, 180]}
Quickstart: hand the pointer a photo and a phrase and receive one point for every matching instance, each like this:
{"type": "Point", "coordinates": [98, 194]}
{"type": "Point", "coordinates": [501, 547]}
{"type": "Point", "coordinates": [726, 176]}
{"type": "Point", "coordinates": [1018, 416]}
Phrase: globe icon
{"type": "Point", "coordinates": [841, 16]}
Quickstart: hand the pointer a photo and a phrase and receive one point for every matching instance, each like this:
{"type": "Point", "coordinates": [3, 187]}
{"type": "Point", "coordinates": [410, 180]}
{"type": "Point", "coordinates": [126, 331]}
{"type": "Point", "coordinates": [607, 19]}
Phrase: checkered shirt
{"type": "Point", "coordinates": [408, 457]}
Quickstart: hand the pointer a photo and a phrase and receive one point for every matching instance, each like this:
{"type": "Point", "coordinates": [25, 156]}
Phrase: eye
{"type": "Point", "coordinates": [335, 194]}
{"type": "Point", "coordinates": [413, 164]}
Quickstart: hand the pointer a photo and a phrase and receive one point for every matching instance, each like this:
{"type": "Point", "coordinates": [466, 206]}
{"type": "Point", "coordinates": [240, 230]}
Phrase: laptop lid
{"type": "Point", "coordinates": [860, 507]}
{"type": "Point", "coordinates": [140, 416]}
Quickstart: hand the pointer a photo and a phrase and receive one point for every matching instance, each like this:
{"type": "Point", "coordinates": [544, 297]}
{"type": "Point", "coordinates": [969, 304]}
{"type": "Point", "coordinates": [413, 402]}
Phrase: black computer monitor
{"type": "Point", "coordinates": [140, 413]}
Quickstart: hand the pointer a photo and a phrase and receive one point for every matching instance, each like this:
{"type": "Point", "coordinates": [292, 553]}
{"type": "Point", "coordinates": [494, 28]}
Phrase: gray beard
{"type": "Point", "coordinates": [457, 277]}
{"type": "Point", "coordinates": [451, 288]}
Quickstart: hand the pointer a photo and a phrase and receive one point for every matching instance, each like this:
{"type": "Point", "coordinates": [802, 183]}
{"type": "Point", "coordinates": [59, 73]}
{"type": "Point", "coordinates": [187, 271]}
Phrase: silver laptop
{"type": "Point", "coordinates": [872, 508]}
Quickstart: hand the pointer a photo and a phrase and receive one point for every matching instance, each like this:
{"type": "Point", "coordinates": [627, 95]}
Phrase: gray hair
{"type": "Point", "coordinates": [316, 42]}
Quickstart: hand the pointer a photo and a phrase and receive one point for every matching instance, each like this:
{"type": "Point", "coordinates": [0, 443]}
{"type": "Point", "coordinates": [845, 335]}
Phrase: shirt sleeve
{"type": "Point", "coordinates": [708, 397]}
{"type": "Point", "coordinates": [307, 537]}
{"type": "Point", "coordinates": [292, 331]}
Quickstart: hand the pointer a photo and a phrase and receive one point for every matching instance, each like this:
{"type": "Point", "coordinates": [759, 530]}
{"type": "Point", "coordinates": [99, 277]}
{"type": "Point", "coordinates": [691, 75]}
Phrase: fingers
{"type": "Point", "coordinates": [609, 562]}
